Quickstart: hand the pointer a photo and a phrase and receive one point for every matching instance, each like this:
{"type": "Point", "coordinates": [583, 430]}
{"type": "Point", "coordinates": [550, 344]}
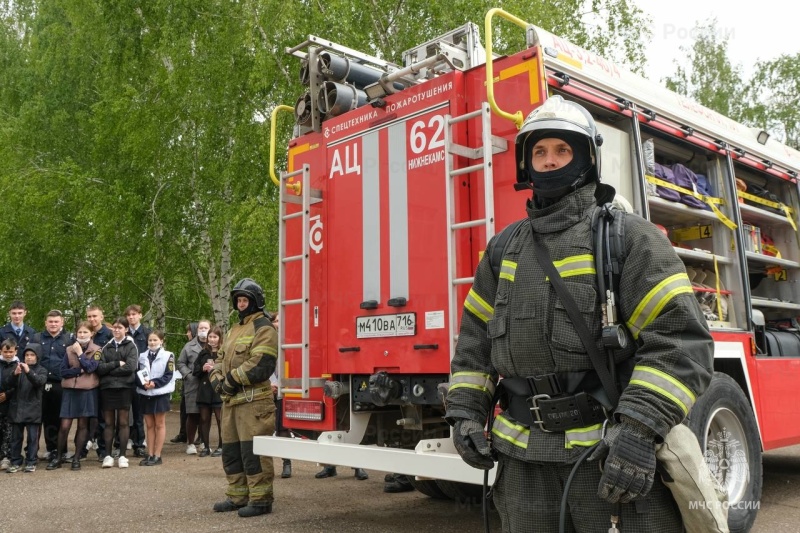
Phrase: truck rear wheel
{"type": "Point", "coordinates": [723, 421]}
{"type": "Point", "coordinates": [429, 488]}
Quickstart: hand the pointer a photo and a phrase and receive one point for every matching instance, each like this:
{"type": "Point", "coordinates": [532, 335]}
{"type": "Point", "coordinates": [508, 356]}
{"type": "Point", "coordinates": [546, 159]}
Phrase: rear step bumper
{"type": "Point", "coordinates": [432, 459]}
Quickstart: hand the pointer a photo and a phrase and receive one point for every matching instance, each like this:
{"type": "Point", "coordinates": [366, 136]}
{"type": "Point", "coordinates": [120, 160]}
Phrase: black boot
{"type": "Point", "coordinates": [54, 463]}
{"type": "Point", "coordinates": [255, 509]}
{"type": "Point", "coordinates": [399, 483]}
{"type": "Point", "coordinates": [226, 506]}
{"type": "Point", "coordinates": [76, 463]}
{"type": "Point", "coordinates": [360, 474]}
{"type": "Point", "coordinates": [178, 439]}
{"type": "Point", "coordinates": [327, 471]}
{"type": "Point", "coordinates": [287, 468]}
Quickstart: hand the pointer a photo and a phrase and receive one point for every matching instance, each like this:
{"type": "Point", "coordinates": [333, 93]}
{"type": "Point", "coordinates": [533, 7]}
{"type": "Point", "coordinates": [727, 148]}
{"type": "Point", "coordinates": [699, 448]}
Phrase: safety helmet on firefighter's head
{"type": "Point", "coordinates": [561, 119]}
{"type": "Point", "coordinates": [252, 290]}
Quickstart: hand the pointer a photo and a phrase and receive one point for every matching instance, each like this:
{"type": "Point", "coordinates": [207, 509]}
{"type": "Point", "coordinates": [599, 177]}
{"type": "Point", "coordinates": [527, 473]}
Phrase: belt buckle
{"type": "Point", "coordinates": [533, 401]}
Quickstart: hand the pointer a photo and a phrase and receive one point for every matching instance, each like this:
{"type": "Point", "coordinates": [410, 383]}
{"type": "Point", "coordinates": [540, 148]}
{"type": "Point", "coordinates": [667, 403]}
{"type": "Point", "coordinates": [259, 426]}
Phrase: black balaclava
{"type": "Point", "coordinates": [550, 187]}
{"type": "Point", "coordinates": [251, 308]}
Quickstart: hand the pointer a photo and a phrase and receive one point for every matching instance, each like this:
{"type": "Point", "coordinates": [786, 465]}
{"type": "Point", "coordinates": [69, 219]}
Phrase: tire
{"type": "Point", "coordinates": [429, 488]}
{"type": "Point", "coordinates": [463, 493]}
{"type": "Point", "coordinates": [723, 421]}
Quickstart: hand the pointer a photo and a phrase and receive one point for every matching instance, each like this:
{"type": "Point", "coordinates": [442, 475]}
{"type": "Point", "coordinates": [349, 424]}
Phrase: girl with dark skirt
{"type": "Point", "coordinates": [79, 384]}
{"type": "Point", "coordinates": [154, 393]}
{"type": "Point", "coordinates": [119, 361]}
{"type": "Point", "coordinates": [208, 400]}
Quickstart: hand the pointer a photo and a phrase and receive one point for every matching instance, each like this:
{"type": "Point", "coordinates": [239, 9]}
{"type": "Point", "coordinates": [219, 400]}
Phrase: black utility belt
{"type": "Point", "coordinates": [538, 402]}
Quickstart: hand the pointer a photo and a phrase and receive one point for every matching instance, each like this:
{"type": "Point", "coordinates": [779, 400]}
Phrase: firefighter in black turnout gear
{"type": "Point", "coordinates": [241, 376]}
{"type": "Point", "coordinates": [514, 325]}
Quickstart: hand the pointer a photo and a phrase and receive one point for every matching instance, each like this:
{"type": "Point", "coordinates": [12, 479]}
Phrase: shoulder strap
{"type": "Point", "coordinates": [598, 362]}
{"type": "Point", "coordinates": [261, 322]}
{"type": "Point", "coordinates": [496, 249]}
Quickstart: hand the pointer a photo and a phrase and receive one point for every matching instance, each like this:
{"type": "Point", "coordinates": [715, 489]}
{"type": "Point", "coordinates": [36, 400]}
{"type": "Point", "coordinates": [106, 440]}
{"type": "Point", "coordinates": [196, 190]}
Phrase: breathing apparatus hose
{"type": "Point", "coordinates": [562, 515]}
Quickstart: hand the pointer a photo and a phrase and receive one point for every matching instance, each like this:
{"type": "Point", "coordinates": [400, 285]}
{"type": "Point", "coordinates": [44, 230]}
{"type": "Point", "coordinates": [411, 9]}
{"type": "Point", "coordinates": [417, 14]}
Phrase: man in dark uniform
{"type": "Point", "coordinates": [514, 325]}
{"type": "Point", "coordinates": [101, 335]}
{"type": "Point", "coordinates": [139, 333]}
{"type": "Point", "coordinates": [241, 376]}
{"type": "Point", "coordinates": [16, 328]}
{"type": "Point", "coordinates": [54, 341]}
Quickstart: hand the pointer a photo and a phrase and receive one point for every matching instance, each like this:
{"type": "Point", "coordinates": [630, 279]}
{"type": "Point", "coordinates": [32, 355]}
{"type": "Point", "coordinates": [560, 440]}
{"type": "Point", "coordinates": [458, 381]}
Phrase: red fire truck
{"type": "Point", "coordinates": [398, 176]}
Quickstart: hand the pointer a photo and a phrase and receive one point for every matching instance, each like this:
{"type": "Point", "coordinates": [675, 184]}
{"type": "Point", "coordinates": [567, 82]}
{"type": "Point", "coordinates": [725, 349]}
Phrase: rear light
{"type": "Point", "coordinates": [303, 410]}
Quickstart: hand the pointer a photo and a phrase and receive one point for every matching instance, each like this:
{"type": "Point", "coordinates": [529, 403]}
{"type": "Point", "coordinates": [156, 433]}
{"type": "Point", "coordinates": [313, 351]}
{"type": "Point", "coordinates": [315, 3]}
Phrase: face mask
{"type": "Point", "coordinates": [83, 341]}
{"type": "Point", "coordinates": [202, 333]}
{"type": "Point", "coordinates": [154, 345]}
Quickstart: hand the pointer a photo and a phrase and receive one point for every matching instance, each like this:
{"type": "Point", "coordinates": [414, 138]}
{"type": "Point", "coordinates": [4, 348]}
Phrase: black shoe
{"type": "Point", "coordinates": [226, 507]}
{"type": "Point", "coordinates": [328, 471]}
{"type": "Point", "coordinates": [154, 461]}
{"type": "Point", "coordinates": [360, 474]}
{"type": "Point", "coordinates": [53, 464]}
{"type": "Point", "coordinates": [140, 451]}
{"type": "Point", "coordinates": [178, 439]}
{"type": "Point", "coordinates": [388, 478]}
{"type": "Point", "coordinates": [76, 464]}
{"type": "Point", "coordinates": [204, 453]}
{"type": "Point", "coordinates": [144, 461]}
{"type": "Point", "coordinates": [255, 510]}
{"type": "Point", "coordinates": [217, 452]}
{"type": "Point", "coordinates": [287, 469]}
{"type": "Point", "coordinates": [398, 484]}
{"type": "Point", "coordinates": [51, 455]}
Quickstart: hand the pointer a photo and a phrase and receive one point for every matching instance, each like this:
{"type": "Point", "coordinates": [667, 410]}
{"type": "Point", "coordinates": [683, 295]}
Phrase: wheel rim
{"type": "Point", "coordinates": [727, 454]}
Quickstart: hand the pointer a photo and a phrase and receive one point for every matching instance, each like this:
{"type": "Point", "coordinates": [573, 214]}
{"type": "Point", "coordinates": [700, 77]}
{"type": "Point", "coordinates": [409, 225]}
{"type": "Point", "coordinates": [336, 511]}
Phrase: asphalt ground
{"type": "Point", "coordinates": [178, 495]}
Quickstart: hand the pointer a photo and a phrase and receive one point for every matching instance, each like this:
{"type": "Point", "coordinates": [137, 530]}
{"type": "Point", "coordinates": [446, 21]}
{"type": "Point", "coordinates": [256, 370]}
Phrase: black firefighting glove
{"type": "Point", "coordinates": [470, 441]}
{"type": "Point", "coordinates": [629, 450]}
{"type": "Point", "coordinates": [229, 386]}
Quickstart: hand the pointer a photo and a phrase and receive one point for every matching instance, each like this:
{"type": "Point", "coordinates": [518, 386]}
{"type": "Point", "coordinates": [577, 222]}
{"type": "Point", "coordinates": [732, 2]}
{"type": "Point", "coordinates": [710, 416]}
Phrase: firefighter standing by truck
{"type": "Point", "coordinates": [241, 376]}
{"type": "Point", "coordinates": [515, 326]}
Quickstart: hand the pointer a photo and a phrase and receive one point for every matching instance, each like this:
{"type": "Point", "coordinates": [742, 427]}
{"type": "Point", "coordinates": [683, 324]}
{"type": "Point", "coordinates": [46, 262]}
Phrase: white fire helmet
{"type": "Point", "coordinates": [556, 114]}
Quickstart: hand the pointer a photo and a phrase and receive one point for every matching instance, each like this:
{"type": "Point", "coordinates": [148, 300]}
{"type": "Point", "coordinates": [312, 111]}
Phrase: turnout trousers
{"type": "Point", "coordinates": [249, 476]}
{"type": "Point", "coordinates": [528, 498]}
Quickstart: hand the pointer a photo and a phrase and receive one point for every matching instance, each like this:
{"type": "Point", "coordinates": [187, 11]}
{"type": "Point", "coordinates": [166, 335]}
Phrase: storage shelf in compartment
{"type": "Point", "coordinates": [769, 260]}
{"type": "Point", "coordinates": [678, 212]}
{"type": "Point", "coordinates": [773, 304]}
{"type": "Point", "coordinates": [685, 254]}
{"type": "Point", "coordinates": [754, 214]}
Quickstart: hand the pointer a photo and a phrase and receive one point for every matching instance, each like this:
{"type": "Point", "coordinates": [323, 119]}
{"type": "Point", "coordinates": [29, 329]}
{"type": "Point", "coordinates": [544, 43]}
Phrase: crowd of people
{"type": "Point", "coordinates": [116, 380]}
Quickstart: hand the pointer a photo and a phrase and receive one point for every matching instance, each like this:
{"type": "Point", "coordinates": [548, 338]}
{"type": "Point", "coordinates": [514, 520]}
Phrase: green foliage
{"type": "Point", "coordinates": [133, 147]}
{"type": "Point", "coordinates": [710, 78]}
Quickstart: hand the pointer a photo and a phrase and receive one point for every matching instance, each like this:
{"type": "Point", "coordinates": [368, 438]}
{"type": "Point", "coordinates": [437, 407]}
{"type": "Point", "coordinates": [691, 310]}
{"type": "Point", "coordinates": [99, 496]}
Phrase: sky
{"type": "Point", "coordinates": [760, 29]}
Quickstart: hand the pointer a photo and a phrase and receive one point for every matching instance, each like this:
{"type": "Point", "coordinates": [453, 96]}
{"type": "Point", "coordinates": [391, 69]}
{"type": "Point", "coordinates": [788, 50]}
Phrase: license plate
{"type": "Point", "coordinates": [399, 325]}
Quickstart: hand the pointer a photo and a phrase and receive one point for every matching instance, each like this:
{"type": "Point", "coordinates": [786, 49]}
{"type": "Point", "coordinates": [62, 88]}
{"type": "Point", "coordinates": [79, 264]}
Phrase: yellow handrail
{"type": "Point", "coordinates": [517, 117]}
{"type": "Point", "coordinates": [272, 127]}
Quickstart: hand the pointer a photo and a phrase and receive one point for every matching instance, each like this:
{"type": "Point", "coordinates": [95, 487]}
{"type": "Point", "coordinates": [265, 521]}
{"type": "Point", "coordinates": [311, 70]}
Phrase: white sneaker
{"type": "Point", "coordinates": [89, 444]}
{"type": "Point", "coordinates": [130, 444]}
{"type": "Point", "coordinates": [191, 449]}
{"type": "Point", "coordinates": [5, 463]}
{"type": "Point", "coordinates": [95, 446]}
{"type": "Point", "coordinates": [108, 461]}
{"type": "Point", "coordinates": [123, 462]}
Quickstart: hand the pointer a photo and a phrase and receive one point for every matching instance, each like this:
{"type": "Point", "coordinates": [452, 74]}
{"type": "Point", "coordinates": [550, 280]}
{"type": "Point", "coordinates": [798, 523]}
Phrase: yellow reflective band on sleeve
{"type": "Point", "coordinates": [243, 379]}
{"type": "Point", "coordinates": [245, 339]}
{"type": "Point", "coordinates": [665, 385]}
{"type": "Point", "coordinates": [472, 380]}
{"type": "Point", "coordinates": [575, 265]}
{"type": "Point", "coordinates": [587, 436]}
{"type": "Point", "coordinates": [269, 350]}
{"type": "Point", "coordinates": [655, 300]}
{"type": "Point", "coordinates": [508, 269]}
{"type": "Point", "coordinates": [514, 433]}
{"type": "Point", "coordinates": [478, 306]}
